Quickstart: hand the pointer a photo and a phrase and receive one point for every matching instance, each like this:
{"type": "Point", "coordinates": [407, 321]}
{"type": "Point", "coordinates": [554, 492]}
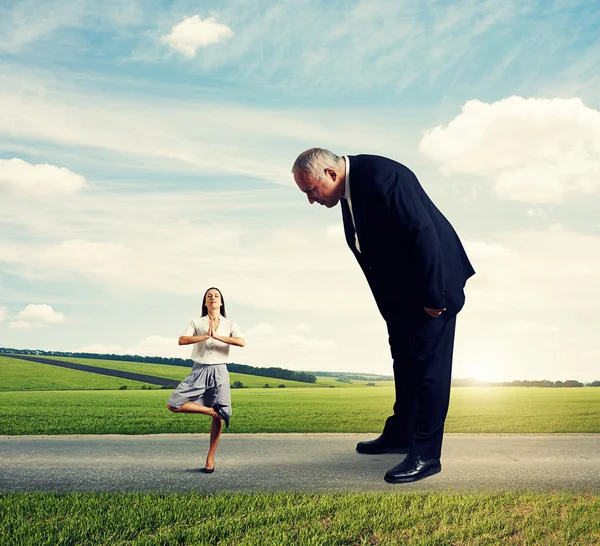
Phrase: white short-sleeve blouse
{"type": "Point", "coordinates": [211, 351]}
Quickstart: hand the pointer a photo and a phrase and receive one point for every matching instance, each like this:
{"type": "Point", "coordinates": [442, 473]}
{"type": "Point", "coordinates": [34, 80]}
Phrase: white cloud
{"type": "Point", "coordinates": [538, 212]}
{"type": "Point", "coordinates": [193, 33]}
{"type": "Point", "coordinates": [100, 348]}
{"type": "Point", "coordinates": [99, 259]}
{"type": "Point", "coordinates": [282, 346]}
{"type": "Point", "coordinates": [37, 316]}
{"type": "Point", "coordinates": [41, 313]}
{"type": "Point", "coordinates": [199, 136]}
{"type": "Point", "coordinates": [20, 325]}
{"type": "Point", "coordinates": [530, 310]}
{"type": "Point", "coordinates": [534, 150]}
{"type": "Point", "coordinates": [536, 271]}
{"type": "Point", "coordinates": [153, 345]}
{"type": "Point", "coordinates": [157, 345]}
{"type": "Point", "coordinates": [287, 341]}
{"type": "Point", "coordinates": [261, 329]}
{"type": "Point", "coordinates": [42, 180]}
{"type": "Point", "coordinates": [103, 262]}
{"type": "Point", "coordinates": [157, 253]}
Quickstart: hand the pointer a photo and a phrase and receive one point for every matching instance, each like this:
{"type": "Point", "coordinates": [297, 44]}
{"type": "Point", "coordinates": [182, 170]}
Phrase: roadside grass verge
{"type": "Point", "coordinates": [472, 410]}
{"type": "Point", "coordinates": [418, 519]}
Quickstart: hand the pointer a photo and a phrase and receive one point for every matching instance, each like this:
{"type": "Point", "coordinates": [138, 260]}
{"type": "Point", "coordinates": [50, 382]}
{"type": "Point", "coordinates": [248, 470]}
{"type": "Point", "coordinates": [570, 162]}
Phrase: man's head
{"type": "Point", "coordinates": [321, 175]}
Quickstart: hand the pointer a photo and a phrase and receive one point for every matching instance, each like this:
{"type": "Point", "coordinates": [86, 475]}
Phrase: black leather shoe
{"type": "Point", "coordinates": [207, 470]}
{"type": "Point", "coordinates": [412, 469]}
{"type": "Point", "coordinates": [219, 409]}
{"type": "Point", "coordinates": [378, 446]}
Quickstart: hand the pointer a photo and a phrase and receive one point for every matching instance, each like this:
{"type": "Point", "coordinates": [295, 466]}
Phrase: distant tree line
{"type": "Point", "coordinates": [356, 377]}
{"type": "Point", "coordinates": [277, 373]}
{"type": "Point", "coordinates": [344, 377]}
{"type": "Point", "coordinates": [469, 382]}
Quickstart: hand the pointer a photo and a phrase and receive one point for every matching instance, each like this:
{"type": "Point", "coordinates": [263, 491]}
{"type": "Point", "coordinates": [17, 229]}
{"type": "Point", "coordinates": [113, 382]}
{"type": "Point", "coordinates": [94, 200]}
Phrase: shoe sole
{"type": "Point", "coordinates": [430, 472]}
{"type": "Point", "coordinates": [397, 450]}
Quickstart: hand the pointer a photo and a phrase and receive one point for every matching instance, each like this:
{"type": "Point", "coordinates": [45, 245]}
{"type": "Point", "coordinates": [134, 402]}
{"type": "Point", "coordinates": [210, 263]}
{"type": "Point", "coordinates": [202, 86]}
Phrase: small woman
{"type": "Point", "coordinates": [206, 389]}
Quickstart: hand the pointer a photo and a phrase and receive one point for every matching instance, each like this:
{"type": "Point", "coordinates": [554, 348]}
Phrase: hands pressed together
{"type": "Point", "coordinates": [212, 327]}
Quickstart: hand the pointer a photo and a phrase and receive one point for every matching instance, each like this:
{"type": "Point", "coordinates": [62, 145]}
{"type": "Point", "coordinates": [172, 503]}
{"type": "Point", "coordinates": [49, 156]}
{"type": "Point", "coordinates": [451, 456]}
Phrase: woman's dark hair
{"type": "Point", "coordinates": [205, 309]}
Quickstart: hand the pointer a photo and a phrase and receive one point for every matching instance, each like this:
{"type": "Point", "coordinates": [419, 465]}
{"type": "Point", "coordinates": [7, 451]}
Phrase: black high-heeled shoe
{"type": "Point", "coordinates": [219, 409]}
{"type": "Point", "coordinates": [207, 470]}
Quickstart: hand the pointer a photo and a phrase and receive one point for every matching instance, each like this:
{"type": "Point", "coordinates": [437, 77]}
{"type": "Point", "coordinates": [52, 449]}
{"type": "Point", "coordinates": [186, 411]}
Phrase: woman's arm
{"type": "Point", "coordinates": [188, 340]}
{"type": "Point", "coordinates": [230, 340]}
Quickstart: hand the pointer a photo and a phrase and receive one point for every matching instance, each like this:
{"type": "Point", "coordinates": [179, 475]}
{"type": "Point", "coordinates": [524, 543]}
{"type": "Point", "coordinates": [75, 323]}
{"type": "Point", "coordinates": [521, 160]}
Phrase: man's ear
{"type": "Point", "coordinates": [331, 174]}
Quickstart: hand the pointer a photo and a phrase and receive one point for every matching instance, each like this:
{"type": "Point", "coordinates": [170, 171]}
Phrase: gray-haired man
{"type": "Point", "coordinates": [416, 268]}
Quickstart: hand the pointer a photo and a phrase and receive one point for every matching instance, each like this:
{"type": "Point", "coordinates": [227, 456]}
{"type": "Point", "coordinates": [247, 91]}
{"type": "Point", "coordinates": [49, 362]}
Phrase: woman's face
{"type": "Point", "coordinates": [213, 300]}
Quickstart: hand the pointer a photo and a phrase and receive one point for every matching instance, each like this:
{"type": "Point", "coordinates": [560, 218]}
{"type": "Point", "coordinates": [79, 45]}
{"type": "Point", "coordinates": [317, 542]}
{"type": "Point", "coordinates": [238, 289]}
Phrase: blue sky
{"type": "Point", "coordinates": [145, 150]}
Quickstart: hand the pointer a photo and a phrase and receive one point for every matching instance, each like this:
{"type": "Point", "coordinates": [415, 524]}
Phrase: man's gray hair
{"type": "Point", "coordinates": [315, 161]}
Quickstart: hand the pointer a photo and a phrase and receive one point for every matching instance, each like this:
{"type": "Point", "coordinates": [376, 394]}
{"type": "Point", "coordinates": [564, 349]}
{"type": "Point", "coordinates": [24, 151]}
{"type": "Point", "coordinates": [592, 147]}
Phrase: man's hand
{"type": "Point", "coordinates": [433, 313]}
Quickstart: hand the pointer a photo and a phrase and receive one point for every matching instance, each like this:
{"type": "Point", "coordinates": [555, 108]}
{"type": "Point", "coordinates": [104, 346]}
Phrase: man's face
{"type": "Point", "coordinates": [325, 191]}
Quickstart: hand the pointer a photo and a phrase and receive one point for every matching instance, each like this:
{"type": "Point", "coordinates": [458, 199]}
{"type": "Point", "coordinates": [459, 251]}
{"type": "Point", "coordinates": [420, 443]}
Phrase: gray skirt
{"type": "Point", "coordinates": [206, 385]}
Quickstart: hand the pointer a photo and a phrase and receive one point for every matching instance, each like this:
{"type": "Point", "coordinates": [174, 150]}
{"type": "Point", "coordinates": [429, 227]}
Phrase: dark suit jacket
{"type": "Point", "coordinates": [410, 254]}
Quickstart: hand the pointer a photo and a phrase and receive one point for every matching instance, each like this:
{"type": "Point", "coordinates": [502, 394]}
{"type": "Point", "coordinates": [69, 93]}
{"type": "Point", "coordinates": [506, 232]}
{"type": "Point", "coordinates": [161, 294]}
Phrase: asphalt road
{"type": "Point", "coordinates": [292, 462]}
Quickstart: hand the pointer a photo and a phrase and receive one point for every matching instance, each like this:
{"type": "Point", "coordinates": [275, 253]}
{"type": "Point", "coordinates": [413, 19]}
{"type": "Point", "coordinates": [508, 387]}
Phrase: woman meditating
{"type": "Point", "coordinates": [206, 389]}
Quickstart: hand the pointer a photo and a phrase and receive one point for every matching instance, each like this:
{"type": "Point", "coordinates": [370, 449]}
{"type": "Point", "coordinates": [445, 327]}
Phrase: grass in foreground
{"type": "Point", "coordinates": [424, 519]}
{"type": "Point", "coordinates": [472, 409]}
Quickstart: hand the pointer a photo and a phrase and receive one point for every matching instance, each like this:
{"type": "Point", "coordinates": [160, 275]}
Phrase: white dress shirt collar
{"type": "Point", "coordinates": [349, 201]}
{"type": "Point", "coordinates": [347, 191]}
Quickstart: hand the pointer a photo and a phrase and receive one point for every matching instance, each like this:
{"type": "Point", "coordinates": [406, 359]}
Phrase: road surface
{"type": "Point", "coordinates": [292, 462]}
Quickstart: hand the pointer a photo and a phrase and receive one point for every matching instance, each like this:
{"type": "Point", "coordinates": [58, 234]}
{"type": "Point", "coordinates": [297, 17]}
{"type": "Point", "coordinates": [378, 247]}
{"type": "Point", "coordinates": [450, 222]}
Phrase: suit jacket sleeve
{"type": "Point", "coordinates": [415, 225]}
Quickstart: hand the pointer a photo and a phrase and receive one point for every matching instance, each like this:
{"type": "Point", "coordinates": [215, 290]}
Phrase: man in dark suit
{"type": "Point", "coordinates": [416, 268]}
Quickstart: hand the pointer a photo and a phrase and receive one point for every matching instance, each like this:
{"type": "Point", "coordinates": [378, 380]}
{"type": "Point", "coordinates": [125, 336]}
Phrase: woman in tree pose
{"type": "Point", "coordinates": [206, 389]}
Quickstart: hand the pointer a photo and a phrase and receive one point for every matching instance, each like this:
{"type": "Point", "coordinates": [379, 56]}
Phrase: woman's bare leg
{"type": "Point", "coordinates": [192, 407]}
{"type": "Point", "coordinates": [215, 433]}
{"type": "Point", "coordinates": [215, 427]}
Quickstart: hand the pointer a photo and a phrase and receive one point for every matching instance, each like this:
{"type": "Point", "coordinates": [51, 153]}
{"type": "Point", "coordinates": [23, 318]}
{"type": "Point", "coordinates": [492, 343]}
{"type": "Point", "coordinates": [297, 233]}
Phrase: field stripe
{"type": "Point", "coordinates": [153, 380]}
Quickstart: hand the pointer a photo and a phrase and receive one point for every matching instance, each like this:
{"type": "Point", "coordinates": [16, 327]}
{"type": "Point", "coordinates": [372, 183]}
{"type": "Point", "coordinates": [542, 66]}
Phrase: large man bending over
{"type": "Point", "coordinates": [417, 268]}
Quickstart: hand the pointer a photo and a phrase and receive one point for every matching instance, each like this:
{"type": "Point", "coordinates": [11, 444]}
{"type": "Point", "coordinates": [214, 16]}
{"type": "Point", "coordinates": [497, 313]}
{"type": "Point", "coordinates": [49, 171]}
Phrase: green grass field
{"type": "Point", "coordinates": [16, 375]}
{"type": "Point", "coordinates": [418, 519]}
{"type": "Point", "coordinates": [21, 375]}
{"type": "Point", "coordinates": [327, 381]}
{"type": "Point", "coordinates": [179, 372]}
{"type": "Point", "coordinates": [472, 409]}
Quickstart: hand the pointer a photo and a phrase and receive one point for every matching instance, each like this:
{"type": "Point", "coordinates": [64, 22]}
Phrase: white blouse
{"type": "Point", "coordinates": [211, 351]}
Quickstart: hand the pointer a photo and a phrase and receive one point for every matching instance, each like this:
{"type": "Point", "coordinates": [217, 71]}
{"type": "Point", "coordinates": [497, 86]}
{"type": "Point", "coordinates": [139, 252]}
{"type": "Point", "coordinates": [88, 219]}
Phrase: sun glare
{"type": "Point", "coordinates": [483, 367]}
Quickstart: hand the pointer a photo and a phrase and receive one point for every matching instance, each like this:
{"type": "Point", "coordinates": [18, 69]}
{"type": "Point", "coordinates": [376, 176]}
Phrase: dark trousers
{"type": "Point", "coordinates": [422, 371]}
